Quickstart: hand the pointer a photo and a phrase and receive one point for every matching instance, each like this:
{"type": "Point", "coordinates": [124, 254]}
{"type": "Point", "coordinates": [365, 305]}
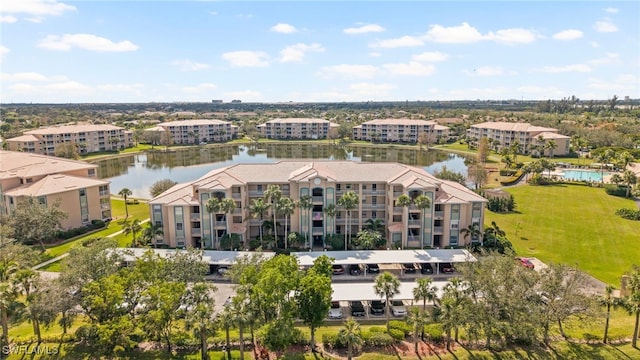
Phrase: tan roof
{"type": "Point", "coordinates": [179, 194]}
{"type": "Point", "coordinates": [24, 138]}
{"type": "Point", "coordinates": [399, 122]}
{"type": "Point", "coordinates": [194, 122]}
{"type": "Point", "coordinates": [440, 127]}
{"type": "Point", "coordinates": [64, 129]}
{"type": "Point", "coordinates": [512, 126]}
{"type": "Point", "coordinates": [448, 120]}
{"type": "Point", "coordinates": [298, 121]}
{"type": "Point", "coordinates": [19, 164]}
{"type": "Point", "coordinates": [552, 135]}
{"type": "Point", "coordinates": [54, 184]}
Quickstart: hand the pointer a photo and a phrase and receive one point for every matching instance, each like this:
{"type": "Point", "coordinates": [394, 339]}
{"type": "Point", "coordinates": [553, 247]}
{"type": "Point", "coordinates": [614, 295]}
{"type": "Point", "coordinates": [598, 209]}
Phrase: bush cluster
{"type": "Point", "coordinates": [68, 234]}
{"type": "Point", "coordinates": [629, 214]}
{"type": "Point", "coordinates": [499, 204]}
{"type": "Point", "coordinates": [513, 179]}
{"type": "Point", "coordinates": [615, 190]}
{"type": "Point", "coordinates": [435, 332]}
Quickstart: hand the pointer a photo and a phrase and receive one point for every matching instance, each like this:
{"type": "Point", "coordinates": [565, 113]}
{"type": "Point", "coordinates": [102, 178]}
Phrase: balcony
{"type": "Point", "coordinates": [438, 214]}
{"type": "Point", "coordinates": [104, 192]}
{"type": "Point", "coordinates": [255, 222]}
{"type": "Point", "coordinates": [256, 193]}
{"type": "Point", "coordinates": [415, 222]}
{"type": "Point", "coordinates": [317, 215]}
{"type": "Point", "coordinates": [196, 232]}
{"type": "Point", "coordinates": [397, 209]}
{"type": "Point", "coordinates": [236, 195]}
{"type": "Point", "coordinates": [438, 229]}
{"type": "Point", "coordinates": [195, 216]}
{"type": "Point", "coordinates": [340, 221]}
{"type": "Point", "coordinates": [220, 224]}
{"type": "Point", "coordinates": [317, 230]}
{"type": "Point", "coordinates": [105, 206]}
{"type": "Point", "coordinates": [317, 199]}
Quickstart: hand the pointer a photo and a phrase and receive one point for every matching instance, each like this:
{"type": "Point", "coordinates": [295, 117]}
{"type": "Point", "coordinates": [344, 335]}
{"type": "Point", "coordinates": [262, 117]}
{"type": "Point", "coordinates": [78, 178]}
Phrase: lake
{"type": "Point", "coordinates": [139, 172]}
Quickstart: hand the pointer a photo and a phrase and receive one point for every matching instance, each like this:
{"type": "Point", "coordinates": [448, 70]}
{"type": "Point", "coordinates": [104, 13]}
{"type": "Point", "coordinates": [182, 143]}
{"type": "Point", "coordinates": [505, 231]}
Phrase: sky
{"type": "Point", "coordinates": [302, 51]}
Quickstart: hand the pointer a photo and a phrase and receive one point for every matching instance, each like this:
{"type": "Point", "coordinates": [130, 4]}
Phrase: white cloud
{"type": "Point", "coordinates": [595, 44]}
{"type": "Point", "coordinates": [8, 19]}
{"type": "Point", "coordinates": [610, 58]}
{"type": "Point", "coordinates": [3, 51]}
{"type": "Point", "coordinates": [364, 29]}
{"type": "Point", "coordinates": [204, 87]}
{"type": "Point", "coordinates": [453, 35]}
{"type": "Point", "coordinates": [188, 65]}
{"type": "Point", "coordinates": [246, 58]}
{"type": "Point", "coordinates": [567, 68]}
{"type": "Point", "coordinates": [605, 26]}
{"type": "Point", "coordinates": [485, 71]}
{"type": "Point", "coordinates": [85, 41]}
{"type": "Point", "coordinates": [368, 90]}
{"type": "Point", "coordinates": [375, 54]}
{"type": "Point", "coordinates": [244, 95]}
{"type": "Point", "coordinates": [284, 28]}
{"type": "Point", "coordinates": [295, 53]}
{"type": "Point", "coordinates": [412, 68]}
{"type": "Point", "coordinates": [213, 13]}
{"type": "Point", "coordinates": [487, 93]}
{"type": "Point", "coordinates": [534, 92]}
{"type": "Point", "coordinates": [404, 41]}
{"type": "Point", "coordinates": [626, 84]}
{"type": "Point", "coordinates": [135, 88]}
{"type": "Point", "coordinates": [611, 10]}
{"type": "Point", "coordinates": [352, 71]}
{"type": "Point", "coordinates": [569, 34]}
{"type": "Point", "coordinates": [513, 36]}
{"type": "Point", "coordinates": [36, 7]}
{"type": "Point", "coordinates": [433, 56]}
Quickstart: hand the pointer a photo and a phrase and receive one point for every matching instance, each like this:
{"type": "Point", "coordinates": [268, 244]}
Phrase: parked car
{"type": "Point", "coordinates": [335, 312]}
{"type": "Point", "coordinates": [409, 268]}
{"type": "Point", "coordinates": [397, 308]}
{"type": "Point", "coordinates": [222, 270]}
{"type": "Point", "coordinates": [354, 269]}
{"type": "Point", "coordinates": [373, 269]}
{"type": "Point", "coordinates": [525, 262]}
{"type": "Point", "coordinates": [357, 308]}
{"type": "Point", "coordinates": [377, 307]}
{"type": "Point", "coordinates": [446, 268]}
{"type": "Point", "coordinates": [337, 269]}
{"type": "Point", "coordinates": [426, 268]}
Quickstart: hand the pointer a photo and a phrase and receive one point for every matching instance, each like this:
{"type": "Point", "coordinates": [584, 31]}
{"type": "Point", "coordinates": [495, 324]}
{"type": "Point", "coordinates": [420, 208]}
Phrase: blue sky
{"type": "Point", "coordinates": [164, 51]}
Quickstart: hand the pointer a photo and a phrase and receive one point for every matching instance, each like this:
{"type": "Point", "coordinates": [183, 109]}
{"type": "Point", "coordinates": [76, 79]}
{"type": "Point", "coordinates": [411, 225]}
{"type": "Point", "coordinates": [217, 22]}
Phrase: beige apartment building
{"type": "Point", "coordinates": [297, 128]}
{"type": "Point", "coordinates": [182, 213]}
{"type": "Point", "coordinates": [88, 137]}
{"type": "Point", "coordinates": [399, 130]}
{"type": "Point", "coordinates": [194, 131]}
{"type": "Point", "coordinates": [532, 139]}
{"type": "Point", "coordinates": [47, 179]}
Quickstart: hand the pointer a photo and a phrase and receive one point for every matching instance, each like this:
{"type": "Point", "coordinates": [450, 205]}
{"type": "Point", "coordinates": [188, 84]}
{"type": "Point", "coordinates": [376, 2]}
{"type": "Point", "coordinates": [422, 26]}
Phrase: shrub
{"type": "Point", "coordinates": [332, 341]}
{"type": "Point", "coordinates": [400, 325]}
{"type": "Point", "coordinates": [435, 333]}
{"type": "Point", "coordinates": [376, 338]}
{"type": "Point", "coordinates": [376, 329]}
{"type": "Point", "coordinates": [615, 190]}
{"type": "Point", "coordinates": [254, 244]}
{"type": "Point", "coordinates": [397, 334]}
{"type": "Point", "coordinates": [507, 172]}
{"type": "Point", "coordinates": [629, 214]}
{"type": "Point", "coordinates": [513, 179]}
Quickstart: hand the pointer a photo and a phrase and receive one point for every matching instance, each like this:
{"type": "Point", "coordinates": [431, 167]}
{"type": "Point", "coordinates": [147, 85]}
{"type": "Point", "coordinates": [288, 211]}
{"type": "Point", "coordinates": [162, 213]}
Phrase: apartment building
{"type": "Point", "coordinates": [195, 131]}
{"type": "Point", "coordinates": [297, 128]}
{"type": "Point", "coordinates": [88, 137]}
{"type": "Point", "coordinates": [532, 139]}
{"type": "Point", "coordinates": [182, 213]}
{"type": "Point", "coordinates": [47, 179]}
{"type": "Point", "coordinates": [399, 130]}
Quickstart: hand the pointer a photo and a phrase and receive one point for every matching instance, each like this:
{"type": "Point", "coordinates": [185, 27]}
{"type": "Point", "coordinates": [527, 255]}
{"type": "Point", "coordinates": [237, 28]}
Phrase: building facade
{"type": "Point", "coordinates": [89, 138]}
{"type": "Point", "coordinates": [400, 130]}
{"type": "Point", "coordinates": [194, 131]}
{"type": "Point", "coordinates": [49, 180]}
{"type": "Point", "coordinates": [181, 210]}
{"type": "Point", "coordinates": [297, 128]}
{"type": "Point", "coordinates": [530, 139]}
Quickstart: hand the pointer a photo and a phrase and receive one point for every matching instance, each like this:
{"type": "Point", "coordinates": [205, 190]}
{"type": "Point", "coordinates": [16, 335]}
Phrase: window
{"type": "Point", "coordinates": [374, 214]}
{"type": "Point", "coordinates": [259, 187]}
{"type": "Point", "coordinates": [42, 200]}
{"type": "Point", "coordinates": [84, 205]}
{"type": "Point", "coordinates": [178, 226]}
{"type": "Point", "coordinates": [91, 172]}
{"type": "Point", "coordinates": [29, 180]}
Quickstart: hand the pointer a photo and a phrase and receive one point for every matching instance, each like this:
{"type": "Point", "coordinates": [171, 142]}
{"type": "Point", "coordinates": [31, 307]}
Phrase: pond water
{"type": "Point", "coordinates": [139, 172]}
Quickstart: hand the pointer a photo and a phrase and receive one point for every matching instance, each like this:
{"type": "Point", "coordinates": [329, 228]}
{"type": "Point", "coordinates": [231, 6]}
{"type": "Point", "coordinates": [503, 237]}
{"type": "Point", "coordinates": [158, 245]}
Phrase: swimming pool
{"type": "Point", "coordinates": [583, 175]}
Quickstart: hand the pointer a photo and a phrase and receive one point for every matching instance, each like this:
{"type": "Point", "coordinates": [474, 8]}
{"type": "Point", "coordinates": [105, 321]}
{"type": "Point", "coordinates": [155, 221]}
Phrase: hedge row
{"type": "Point", "coordinates": [629, 214]}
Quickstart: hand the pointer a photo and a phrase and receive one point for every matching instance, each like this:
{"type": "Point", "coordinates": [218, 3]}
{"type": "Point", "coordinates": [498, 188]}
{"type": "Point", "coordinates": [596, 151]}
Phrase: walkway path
{"type": "Point", "coordinates": [58, 258]}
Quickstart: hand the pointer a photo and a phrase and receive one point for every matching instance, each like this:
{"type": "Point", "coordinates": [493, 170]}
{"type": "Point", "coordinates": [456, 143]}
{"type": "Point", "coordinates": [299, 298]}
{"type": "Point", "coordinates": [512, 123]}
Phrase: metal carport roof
{"type": "Point", "coordinates": [364, 291]}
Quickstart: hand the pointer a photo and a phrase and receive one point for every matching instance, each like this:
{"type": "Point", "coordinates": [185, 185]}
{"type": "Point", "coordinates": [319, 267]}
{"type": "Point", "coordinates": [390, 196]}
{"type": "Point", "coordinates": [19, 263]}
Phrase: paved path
{"type": "Point", "coordinates": [58, 258]}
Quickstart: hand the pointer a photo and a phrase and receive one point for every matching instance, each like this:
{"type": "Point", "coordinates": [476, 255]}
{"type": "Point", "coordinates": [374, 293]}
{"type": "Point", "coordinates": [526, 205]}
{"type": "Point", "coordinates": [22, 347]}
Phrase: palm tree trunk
{"type": "Point", "coordinates": [241, 335]}
{"type": "Point", "coordinates": [387, 312]}
{"type": "Point", "coordinates": [634, 340]}
{"type": "Point", "coordinates": [561, 329]}
{"type": "Point", "coordinates": [226, 328]}
{"type": "Point", "coordinates": [313, 339]}
{"type": "Point", "coordinates": [286, 235]}
{"type": "Point", "coordinates": [36, 329]}
{"type": "Point", "coordinates": [606, 325]}
{"type": "Point", "coordinates": [203, 343]}
{"type": "Point", "coordinates": [349, 351]}
{"type": "Point", "coordinates": [5, 326]}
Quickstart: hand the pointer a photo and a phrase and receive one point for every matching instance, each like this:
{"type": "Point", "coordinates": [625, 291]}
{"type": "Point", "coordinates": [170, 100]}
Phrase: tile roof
{"type": "Point", "coordinates": [512, 126]}
{"type": "Point", "coordinates": [553, 135]}
{"type": "Point", "coordinates": [54, 184]}
{"type": "Point", "coordinates": [298, 121]}
{"type": "Point", "coordinates": [20, 164]}
{"type": "Point", "coordinates": [25, 138]}
{"type": "Point", "coordinates": [194, 122]}
{"type": "Point", "coordinates": [64, 129]}
{"type": "Point", "coordinates": [399, 122]}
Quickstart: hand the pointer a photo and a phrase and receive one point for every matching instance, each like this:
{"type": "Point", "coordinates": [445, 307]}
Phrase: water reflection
{"type": "Point", "coordinates": [139, 172]}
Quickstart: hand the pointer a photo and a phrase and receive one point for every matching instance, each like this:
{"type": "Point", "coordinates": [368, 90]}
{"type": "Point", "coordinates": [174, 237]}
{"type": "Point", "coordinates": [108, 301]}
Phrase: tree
{"type": "Point", "coordinates": [425, 292]}
{"type": "Point", "coordinates": [386, 285]}
{"type": "Point", "coordinates": [551, 146]}
{"type": "Point", "coordinates": [632, 301]}
{"type": "Point", "coordinates": [28, 284]}
{"type": "Point", "coordinates": [314, 300]}
{"type": "Point", "coordinates": [227, 205]}
{"type": "Point", "coordinates": [151, 232]}
{"type": "Point", "coordinates": [162, 301]}
{"type": "Point", "coordinates": [33, 222]}
{"type": "Point", "coordinates": [630, 179]}
{"type": "Point", "coordinates": [624, 159]}
{"type": "Point", "coordinates": [225, 320]}
{"type": "Point", "coordinates": [368, 239]}
{"type": "Point", "coordinates": [483, 150]}
{"type": "Point", "coordinates": [272, 195]}
{"type": "Point", "coordinates": [609, 301]}
{"type": "Point", "coordinates": [134, 228]}
{"type": "Point", "coordinates": [257, 210]}
{"type": "Point", "coordinates": [331, 212]}
{"type": "Point", "coordinates": [286, 207]}
{"type": "Point", "coordinates": [478, 174]}
{"type": "Point", "coordinates": [161, 186]}
{"type": "Point", "coordinates": [375, 225]}
{"type": "Point", "coordinates": [305, 203]}
{"type": "Point", "coordinates": [348, 201]}
{"type": "Point", "coordinates": [125, 192]}
{"type": "Point", "coordinates": [418, 319]}
{"type": "Point", "coordinates": [603, 158]}
{"type": "Point", "coordinates": [446, 174]}
{"type": "Point", "coordinates": [67, 150]}
{"type": "Point", "coordinates": [403, 201]}
{"type": "Point", "coordinates": [472, 231]}
{"type": "Point", "coordinates": [351, 335]}
{"type": "Point", "coordinates": [213, 207]}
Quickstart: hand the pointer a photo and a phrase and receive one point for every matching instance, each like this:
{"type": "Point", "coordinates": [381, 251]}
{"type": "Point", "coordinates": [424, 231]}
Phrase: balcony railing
{"type": "Point", "coordinates": [397, 193]}
{"type": "Point", "coordinates": [438, 229]}
{"type": "Point", "coordinates": [397, 209]}
{"type": "Point", "coordinates": [105, 206]}
{"type": "Point", "coordinates": [415, 222]}
{"type": "Point", "coordinates": [317, 215]}
{"type": "Point", "coordinates": [220, 224]}
{"type": "Point", "coordinates": [317, 199]}
{"type": "Point", "coordinates": [236, 195]}
{"type": "Point", "coordinates": [318, 230]}
{"type": "Point", "coordinates": [195, 216]}
{"type": "Point", "coordinates": [196, 231]}
{"type": "Point", "coordinates": [255, 222]}
{"type": "Point", "coordinates": [104, 193]}
{"type": "Point", "coordinates": [341, 221]}
{"type": "Point", "coordinates": [256, 193]}
{"type": "Point", "coordinates": [438, 214]}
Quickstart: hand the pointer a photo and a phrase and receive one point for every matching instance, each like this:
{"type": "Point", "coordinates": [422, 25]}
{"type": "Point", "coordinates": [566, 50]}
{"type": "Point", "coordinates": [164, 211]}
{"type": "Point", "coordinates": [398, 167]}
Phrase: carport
{"type": "Point", "coordinates": [366, 292]}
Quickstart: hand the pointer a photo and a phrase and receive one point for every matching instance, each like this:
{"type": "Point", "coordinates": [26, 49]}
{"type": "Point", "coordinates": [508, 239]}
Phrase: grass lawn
{"type": "Point", "coordinates": [575, 225]}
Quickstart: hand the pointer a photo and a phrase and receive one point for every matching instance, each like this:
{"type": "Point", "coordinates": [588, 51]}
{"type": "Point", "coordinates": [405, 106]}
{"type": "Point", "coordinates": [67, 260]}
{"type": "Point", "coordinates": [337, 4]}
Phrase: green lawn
{"type": "Point", "coordinates": [575, 225]}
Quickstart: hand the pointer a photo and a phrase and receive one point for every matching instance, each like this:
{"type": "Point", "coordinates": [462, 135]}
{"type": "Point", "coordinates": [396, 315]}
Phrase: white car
{"type": "Point", "coordinates": [335, 312]}
{"type": "Point", "coordinates": [398, 309]}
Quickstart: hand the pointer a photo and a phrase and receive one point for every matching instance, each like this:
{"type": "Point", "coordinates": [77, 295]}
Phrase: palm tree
{"type": "Point", "coordinates": [425, 292]}
{"type": "Point", "coordinates": [472, 231]}
{"type": "Point", "coordinates": [629, 178]}
{"type": "Point", "coordinates": [351, 335]}
{"type": "Point", "coordinates": [227, 205]}
{"type": "Point", "coordinates": [624, 159]}
{"type": "Point", "coordinates": [375, 225]}
{"type": "Point", "coordinates": [551, 146]}
{"type": "Point", "coordinates": [418, 319]}
{"type": "Point", "coordinates": [151, 232]}
{"type": "Point", "coordinates": [604, 158]}
{"type": "Point", "coordinates": [305, 203]}
{"type": "Point", "coordinates": [348, 201]}
{"type": "Point", "coordinates": [387, 285]}
{"type": "Point", "coordinates": [272, 195]}
{"type": "Point", "coordinates": [422, 202]}
{"type": "Point", "coordinates": [632, 301]}
{"type": "Point", "coordinates": [515, 149]}
{"type": "Point", "coordinates": [331, 212]}
{"type": "Point", "coordinates": [225, 319]}
{"type": "Point", "coordinates": [286, 207]}
{"type": "Point", "coordinates": [368, 239]}
{"type": "Point", "coordinates": [240, 318]}
{"type": "Point", "coordinates": [125, 192]}
{"type": "Point", "coordinates": [257, 209]}
{"type": "Point", "coordinates": [456, 295]}
{"type": "Point", "coordinates": [403, 201]}
{"type": "Point", "coordinates": [213, 207]}
{"type": "Point", "coordinates": [132, 227]}
{"type": "Point", "coordinates": [609, 301]}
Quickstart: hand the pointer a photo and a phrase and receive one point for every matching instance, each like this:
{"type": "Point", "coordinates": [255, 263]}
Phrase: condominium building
{"type": "Point", "coordinates": [531, 139]}
{"type": "Point", "coordinates": [399, 130]}
{"type": "Point", "coordinates": [195, 131]}
{"type": "Point", "coordinates": [297, 128]}
{"type": "Point", "coordinates": [88, 137]}
{"type": "Point", "coordinates": [181, 210]}
{"type": "Point", "coordinates": [49, 180]}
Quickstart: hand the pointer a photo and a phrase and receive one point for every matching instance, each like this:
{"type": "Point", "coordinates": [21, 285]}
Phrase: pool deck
{"type": "Point", "coordinates": [560, 173]}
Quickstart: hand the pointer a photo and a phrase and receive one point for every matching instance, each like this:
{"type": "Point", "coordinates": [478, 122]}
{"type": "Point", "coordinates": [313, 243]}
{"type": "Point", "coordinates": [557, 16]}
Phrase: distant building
{"type": "Point", "coordinates": [399, 130]}
{"type": "Point", "coordinates": [89, 138]}
{"type": "Point", "coordinates": [296, 128]}
{"type": "Point", "coordinates": [195, 131]}
{"type": "Point", "coordinates": [531, 139]}
{"type": "Point", "coordinates": [216, 101]}
{"type": "Point", "coordinates": [48, 179]}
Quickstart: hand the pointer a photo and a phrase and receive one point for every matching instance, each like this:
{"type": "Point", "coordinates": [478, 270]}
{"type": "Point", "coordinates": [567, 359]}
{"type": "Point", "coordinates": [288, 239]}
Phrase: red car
{"type": "Point", "coordinates": [525, 262]}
